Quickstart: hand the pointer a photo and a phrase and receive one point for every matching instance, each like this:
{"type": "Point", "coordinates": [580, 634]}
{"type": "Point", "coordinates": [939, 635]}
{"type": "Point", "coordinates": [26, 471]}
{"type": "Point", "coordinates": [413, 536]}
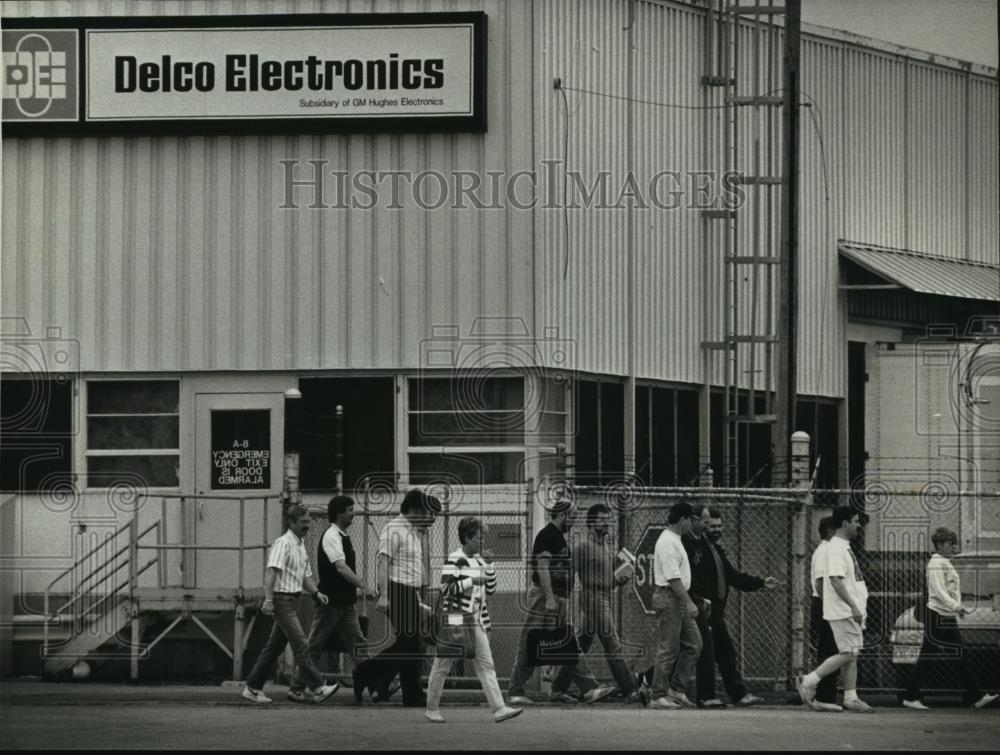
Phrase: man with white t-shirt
{"type": "Point", "coordinates": [678, 641]}
{"type": "Point", "coordinates": [822, 636]}
{"type": "Point", "coordinates": [845, 602]}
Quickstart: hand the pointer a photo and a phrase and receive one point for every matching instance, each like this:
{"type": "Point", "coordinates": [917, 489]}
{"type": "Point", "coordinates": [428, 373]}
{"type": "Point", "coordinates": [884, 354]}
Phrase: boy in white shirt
{"type": "Point", "coordinates": [942, 638]}
{"type": "Point", "coordinates": [845, 602]}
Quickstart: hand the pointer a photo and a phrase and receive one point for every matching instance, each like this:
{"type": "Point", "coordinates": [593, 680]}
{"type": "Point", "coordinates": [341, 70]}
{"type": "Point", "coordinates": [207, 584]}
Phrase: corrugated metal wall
{"type": "Point", "coordinates": [176, 256]}
{"type": "Point", "coordinates": [172, 253]}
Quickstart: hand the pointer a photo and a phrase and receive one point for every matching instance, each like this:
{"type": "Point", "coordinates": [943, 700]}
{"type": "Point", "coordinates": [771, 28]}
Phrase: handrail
{"type": "Point", "coordinates": [84, 600]}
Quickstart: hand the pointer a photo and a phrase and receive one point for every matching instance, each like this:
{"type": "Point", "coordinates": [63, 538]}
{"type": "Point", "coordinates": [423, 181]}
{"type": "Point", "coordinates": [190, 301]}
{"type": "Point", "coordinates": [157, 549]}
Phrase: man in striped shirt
{"type": "Point", "coordinates": [471, 578]}
{"type": "Point", "coordinates": [288, 572]}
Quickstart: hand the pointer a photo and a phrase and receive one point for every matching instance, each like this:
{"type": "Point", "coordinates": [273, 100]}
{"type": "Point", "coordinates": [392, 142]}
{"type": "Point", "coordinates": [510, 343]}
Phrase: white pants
{"type": "Point", "coordinates": [482, 663]}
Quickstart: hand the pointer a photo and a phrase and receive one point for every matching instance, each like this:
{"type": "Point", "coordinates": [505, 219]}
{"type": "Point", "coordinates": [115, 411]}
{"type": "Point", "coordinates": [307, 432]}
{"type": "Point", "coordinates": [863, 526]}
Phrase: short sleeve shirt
{"type": "Point", "coordinates": [817, 566]}
{"type": "Point", "coordinates": [552, 539]}
{"type": "Point", "coordinates": [288, 555]}
{"type": "Point", "coordinates": [670, 560]}
{"type": "Point", "coordinates": [401, 542]}
{"type": "Point", "coordinates": [841, 562]}
{"type": "Point", "coordinates": [333, 544]}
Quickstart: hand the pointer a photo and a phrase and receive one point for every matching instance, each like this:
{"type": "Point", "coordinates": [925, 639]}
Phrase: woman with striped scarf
{"type": "Point", "coordinates": [471, 578]}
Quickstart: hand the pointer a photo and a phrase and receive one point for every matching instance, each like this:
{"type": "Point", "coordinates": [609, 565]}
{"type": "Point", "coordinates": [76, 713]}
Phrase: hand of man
{"type": "Point", "coordinates": [623, 579]}
{"type": "Point", "coordinates": [424, 608]}
{"type": "Point", "coordinates": [551, 605]}
{"type": "Point", "coordinates": [383, 604]}
{"type": "Point", "coordinates": [857, 615]}
{"type": "Point", "coordinates": [770, 583]}
{"type": "Point", "coordinates": [963, 611]}
{"type": "Point", "coordinates": [692, 610]}
{"type": "Point", "coordinates": [267, 607]}
{"type": "Point", "coordinates": [370, 593]}
{"type": "Point", "coordinates": [321, 598]}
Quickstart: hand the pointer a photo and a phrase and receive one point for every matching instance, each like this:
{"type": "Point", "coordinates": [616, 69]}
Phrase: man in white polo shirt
{"type": "Point", "coordinates": [288, 572]}
{"type": "Point", "coordinates": [845, 603]}
{"type": "Point", "coordinates": [678, 641]}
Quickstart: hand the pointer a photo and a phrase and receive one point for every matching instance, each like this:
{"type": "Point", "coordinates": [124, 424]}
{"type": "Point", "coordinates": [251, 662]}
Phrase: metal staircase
{"type": "Point", "coordinates": [101, 604]}
{"type": "Point", "coordinates": [746, 133]}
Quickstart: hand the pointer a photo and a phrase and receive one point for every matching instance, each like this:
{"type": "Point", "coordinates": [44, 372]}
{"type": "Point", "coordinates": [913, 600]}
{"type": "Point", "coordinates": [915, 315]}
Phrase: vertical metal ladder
{"type": "Point", "coordinates": [748, 121]}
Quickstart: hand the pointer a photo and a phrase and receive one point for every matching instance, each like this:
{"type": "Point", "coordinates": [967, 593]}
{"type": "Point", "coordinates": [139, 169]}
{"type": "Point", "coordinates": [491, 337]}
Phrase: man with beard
{"type": "Point", "coordinates": [594, 563]}
{"type": "Point", "coordinates": [551, 567]}
{"type": "Point", "coordinates": [712, 577]}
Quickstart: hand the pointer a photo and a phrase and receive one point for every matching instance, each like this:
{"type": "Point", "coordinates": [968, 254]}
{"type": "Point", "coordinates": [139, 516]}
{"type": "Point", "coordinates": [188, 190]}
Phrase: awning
{"type": "Point", "coordinates": [925, 273]}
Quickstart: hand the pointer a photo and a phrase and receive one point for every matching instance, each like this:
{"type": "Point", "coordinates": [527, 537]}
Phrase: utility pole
{"type": "Point", "coordinates": [785, 379]}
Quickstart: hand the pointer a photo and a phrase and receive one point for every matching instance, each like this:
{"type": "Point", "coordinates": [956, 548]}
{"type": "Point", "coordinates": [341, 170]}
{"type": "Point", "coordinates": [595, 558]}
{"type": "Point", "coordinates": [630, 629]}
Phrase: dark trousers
{"type": "Point", "coordinates": [287, 629]}
{"type": "Point", "coordinates": [406, 654]}
{"type": "Point", "coordinates": [326, 620]}
{"type": "Point", "coordinates": [824, 646]}
{"type": "Point", "coordinates": [717, 648]}
{"type": "Point", "coordinates": [943, 644]}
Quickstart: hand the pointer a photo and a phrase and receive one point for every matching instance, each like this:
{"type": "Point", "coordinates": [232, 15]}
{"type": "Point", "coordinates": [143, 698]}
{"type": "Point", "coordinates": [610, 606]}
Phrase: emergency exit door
{"type": "Point", "coordinates": [239, 455]}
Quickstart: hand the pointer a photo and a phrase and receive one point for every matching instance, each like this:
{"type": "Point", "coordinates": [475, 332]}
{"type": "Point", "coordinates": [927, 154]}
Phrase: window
{"type": "Point", "coordinates": [133, 433]}
{"type": "Point", "coordinates": [368, 430]}
{"type": "Point", "coordinates": [470, 430]}
{"type": "Point", "coordinates": [36, 433]}
{"type": "Point", "coordinates": [600, 432]}
{"type": "Point", "coordinates": [667, 437]}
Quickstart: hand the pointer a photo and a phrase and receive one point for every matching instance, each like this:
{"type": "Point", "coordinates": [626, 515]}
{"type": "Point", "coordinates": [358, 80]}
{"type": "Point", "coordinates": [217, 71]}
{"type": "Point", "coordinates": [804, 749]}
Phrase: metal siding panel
{"type": "Point", "coordinates": [982, 170]}
{"type": "Point", "coordinates": [936, 181]}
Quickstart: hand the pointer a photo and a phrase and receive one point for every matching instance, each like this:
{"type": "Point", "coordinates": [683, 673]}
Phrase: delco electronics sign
{"type": "Point", "coordinates": [245, 74]}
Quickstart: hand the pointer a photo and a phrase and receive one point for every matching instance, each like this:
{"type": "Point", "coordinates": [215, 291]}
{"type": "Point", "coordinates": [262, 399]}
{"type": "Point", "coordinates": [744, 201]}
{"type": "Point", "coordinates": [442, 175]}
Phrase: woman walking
{"type": "Point", "coordinates": [469, 579]}
{"type": "Point", "coordinates": [942, 638]}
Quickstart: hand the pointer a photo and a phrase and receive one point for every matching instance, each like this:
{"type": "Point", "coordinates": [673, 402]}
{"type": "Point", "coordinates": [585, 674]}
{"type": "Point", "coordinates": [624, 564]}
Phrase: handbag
{"type": "Point", "coordinates": [553, 646]}
{"type": "Point", "coordinates": [449, 631]}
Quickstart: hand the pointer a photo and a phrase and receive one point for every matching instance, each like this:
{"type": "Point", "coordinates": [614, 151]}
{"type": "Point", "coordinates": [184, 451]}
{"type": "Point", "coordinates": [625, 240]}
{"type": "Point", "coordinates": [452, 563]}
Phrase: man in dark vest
{"type": "Point", "coordinates": [339, 581]}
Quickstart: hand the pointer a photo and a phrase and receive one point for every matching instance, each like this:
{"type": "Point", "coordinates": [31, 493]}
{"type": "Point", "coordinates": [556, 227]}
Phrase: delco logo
{"type": "Point", "coordinates": [39, 75]}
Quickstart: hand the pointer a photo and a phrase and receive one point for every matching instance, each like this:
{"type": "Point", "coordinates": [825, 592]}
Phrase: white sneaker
{"type": "Point", "coordinates": [662, 703]}
{"type": "Point", "coordinates": [506, 713]}
{"type": "Point", "coordinates": [713, 703]}
{"type": "Point", "coordinates": [858, 706]}
{"type": "Point", "coordinates": [985, 700]}
{"type": "Point", "coordinates": [749, 699]}
{"type": "Point", "coordinates": [819, 707]}
{"type": "Point", "coordinates": [680, 698]}
{"type": "Point", "coordinates": [255, 695]}
{"type": "Point", "coordinates": [597, 693]}
{"type": "Point", "coordinates": [521, 700]}
{"type": "Point", "coordinates": [434, 717]}
{"type": "Point", "coordinates": [322, 693]}
{"type": "Point", "coordinates": [915, 704]}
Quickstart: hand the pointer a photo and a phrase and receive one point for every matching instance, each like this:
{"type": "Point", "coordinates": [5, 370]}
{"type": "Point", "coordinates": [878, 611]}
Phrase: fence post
{"type": "Point", "coordinates": [290, 493]}
{"type": "Point", "coordinates": [800, 537]}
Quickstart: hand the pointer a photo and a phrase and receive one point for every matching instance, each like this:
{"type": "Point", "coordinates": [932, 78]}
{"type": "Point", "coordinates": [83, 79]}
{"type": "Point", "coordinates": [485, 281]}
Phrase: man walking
{"type": "Point", "coordinates": [717, 574]}
{"type": "Point", "coordinates": [401, 578]}
{"type": "Point", "coordinates": [845, 602]}
{"type": "Point", "coordinates": [594, 563]}
{"type": "Point", "coordinates": [339, 581]}
{"type": "Point", "coordinates": [288, 573]}
{"type": "Point", "coordinates": [822, 635]}
{"type": "Point", "coordinates": [678, 641]}
{"type": "Point", "coordinates": [551, 585]}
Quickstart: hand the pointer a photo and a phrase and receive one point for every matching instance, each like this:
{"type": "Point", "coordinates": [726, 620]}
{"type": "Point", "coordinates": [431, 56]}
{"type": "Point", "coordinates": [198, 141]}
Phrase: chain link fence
{"type": "Point", "coordinates": [892, 551]}
{"type": "Point", "coordinates": [765, 533]}
{"type": "Point", "coordinates": [506, 516]}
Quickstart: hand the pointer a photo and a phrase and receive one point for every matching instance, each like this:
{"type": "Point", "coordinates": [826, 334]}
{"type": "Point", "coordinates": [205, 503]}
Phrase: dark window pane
{"type": "Point", "coordinates": [368, 430]}
{"type": "Point", "coordinates": [502, 428]}
{"type": "Point", "coordinates": [586, 465]}
{"type": "Point", "coordinates": [470, 394]}
{"type": "Point", "coordinates": [664, 454]}
{"type": "Point", "coordinates": [688, 439]}
{"type": "Point", "coordinates": [612, 431]}
{"type": "Point", "coordinates": [468, 469]}
{"type": "Point", "coordinates": [643, 462]}
{"type": "Point", "coordinates": [132, 397]}
{"type": "Point", "coordinates": [36, 428]}
{"type": "Point", "coordinates": [132, 432]}
{"type": "Point", "coordinates": [139, 471]}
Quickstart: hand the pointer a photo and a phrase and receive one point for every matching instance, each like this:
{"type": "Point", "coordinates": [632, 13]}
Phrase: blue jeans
{"type": "Point", "coordinates": [677, 646]}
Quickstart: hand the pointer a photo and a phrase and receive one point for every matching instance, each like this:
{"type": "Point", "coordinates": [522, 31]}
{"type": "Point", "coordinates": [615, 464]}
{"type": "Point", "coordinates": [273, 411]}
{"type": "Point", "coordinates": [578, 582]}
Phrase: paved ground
{"type": "Point", "coordinates": [81, 716]}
